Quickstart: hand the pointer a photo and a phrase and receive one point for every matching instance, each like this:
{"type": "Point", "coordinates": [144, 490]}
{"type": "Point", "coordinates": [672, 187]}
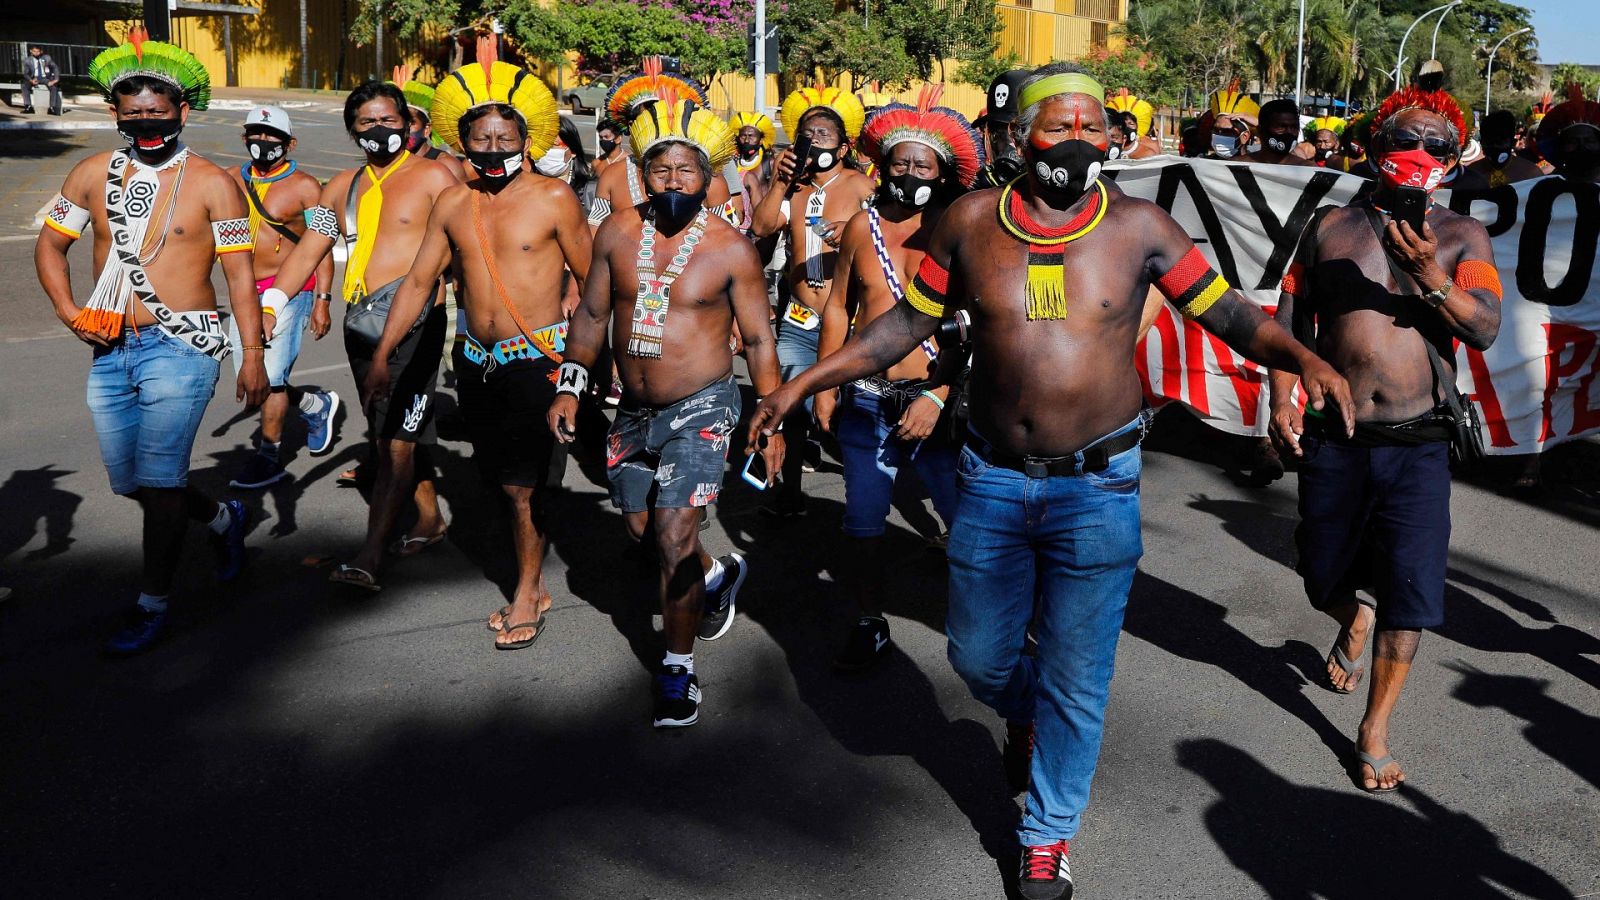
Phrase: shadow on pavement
{"type": "Point", "coordinates": [26, 498]}
{"type": "Point", "coordinates": [1564, 734]}
{"type": "Point", "coordinates": [1300, 843]}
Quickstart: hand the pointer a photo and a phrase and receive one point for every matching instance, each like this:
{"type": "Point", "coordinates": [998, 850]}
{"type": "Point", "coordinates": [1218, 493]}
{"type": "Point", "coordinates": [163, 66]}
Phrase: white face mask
{"type": "Point", "coordinates": [553, 163]}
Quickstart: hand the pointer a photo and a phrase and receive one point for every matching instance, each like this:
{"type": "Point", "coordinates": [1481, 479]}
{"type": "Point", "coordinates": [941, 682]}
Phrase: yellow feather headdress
{"type": "Point", "coordinates": [490, 81]}
{"type": "Point", "coordinates": [741, 120]}
{"type": "Point", "coordinates": [1142, 111]}
{"type": "Point", "coordinates": [1231, 102]}
{"type": "Point", "coordinates": [671, 119]}
{"type": "Point", "coordinates": [842, 102]}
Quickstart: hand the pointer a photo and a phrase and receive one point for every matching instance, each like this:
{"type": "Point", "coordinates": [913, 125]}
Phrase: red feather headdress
{"type": "Point", "coordinates": [650, 85]}
{"type": "Point", "coordinates": [1575, 110]}
{"type": "Point", "coordinates": [1413, 97]}
{"type": "Point", "coordinates": [946, 131]}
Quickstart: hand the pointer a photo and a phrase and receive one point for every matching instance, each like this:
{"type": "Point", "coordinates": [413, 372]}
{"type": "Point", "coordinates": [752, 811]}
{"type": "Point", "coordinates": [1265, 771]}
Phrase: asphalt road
{"type": "Point", "coordinates": [290, 739]}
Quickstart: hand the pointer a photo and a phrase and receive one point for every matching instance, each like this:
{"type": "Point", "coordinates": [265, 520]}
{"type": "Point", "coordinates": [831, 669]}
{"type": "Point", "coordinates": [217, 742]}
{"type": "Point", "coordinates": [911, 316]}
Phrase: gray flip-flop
{"type": "Point", "coordinates": [1350, 666]}
{"type": "Point", "coordinates": [538, 627]}
{"type": "Point", "coordinates": [1377, 763]}
{"type": "Point", "coordinates": [505, 613]}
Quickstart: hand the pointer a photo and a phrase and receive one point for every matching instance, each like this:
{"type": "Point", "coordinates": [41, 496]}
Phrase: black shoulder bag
{"type": "Point", "coordinates": [366, 317]}
{"type": "Point", "coordinates": [255, 200]}
{"type": "Point", "coordinates": [1451, 407]}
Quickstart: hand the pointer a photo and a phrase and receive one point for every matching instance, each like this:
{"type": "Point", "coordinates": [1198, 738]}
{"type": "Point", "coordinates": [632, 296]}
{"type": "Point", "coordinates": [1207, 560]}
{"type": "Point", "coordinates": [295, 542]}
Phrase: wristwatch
{"type": "Point", "coordinates": [1436, 297]}
{"type": "Point", "coordinates": [323, 296]}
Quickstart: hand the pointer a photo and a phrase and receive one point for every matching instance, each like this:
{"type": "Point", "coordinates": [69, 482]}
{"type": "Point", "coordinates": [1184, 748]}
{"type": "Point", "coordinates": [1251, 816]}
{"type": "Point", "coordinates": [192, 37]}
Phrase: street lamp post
{"type": "Point", "coordinates": [1300, 58]}
{"type": "Point", "coordinates": [1488, 77]}
{"type": "Point", "coordinates": [1418, 21]}
{"type": "Point", "coordinates": [761, 57]}
{"type": "Point", "coordinates": [1433, 49]}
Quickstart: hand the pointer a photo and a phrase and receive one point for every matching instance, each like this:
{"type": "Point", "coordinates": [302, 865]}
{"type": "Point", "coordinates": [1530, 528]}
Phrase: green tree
{"type": "Point", "coordinates": [1565, 75]}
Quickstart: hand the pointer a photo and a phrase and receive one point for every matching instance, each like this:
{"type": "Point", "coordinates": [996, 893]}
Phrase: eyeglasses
{"type": "Point", "coordinates": [1438, 148]}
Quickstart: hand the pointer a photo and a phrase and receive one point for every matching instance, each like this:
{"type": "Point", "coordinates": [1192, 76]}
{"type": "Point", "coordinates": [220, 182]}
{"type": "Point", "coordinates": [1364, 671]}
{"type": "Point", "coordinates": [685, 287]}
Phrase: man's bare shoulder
{"type": "Point", "coordinates": [621, 226]}
{"type": "Point", "coordinates": [971, 209]}
{"type": "Point", "coordinates": [452, 197]}
{"type": "Point", "coordinates": [730, 244]}
{"type": "Point", "coordinates": [556, 191]}
{"type": "Point", "coordinates": [435, 174]}
{"type": "Point", "coordinates": [858, 228]}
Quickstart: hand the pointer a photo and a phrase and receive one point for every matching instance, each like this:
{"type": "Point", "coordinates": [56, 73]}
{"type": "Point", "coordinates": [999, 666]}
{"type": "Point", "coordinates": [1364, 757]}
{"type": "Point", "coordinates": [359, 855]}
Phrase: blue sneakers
{"type": "Point", "coordinates": [229, 546]}
{"type": "Point", "coordinates": [677, 698]}
{"type": "Point", "coordinates": [319, 425]}
{"type": "Point", "coordinates": [144, 628]}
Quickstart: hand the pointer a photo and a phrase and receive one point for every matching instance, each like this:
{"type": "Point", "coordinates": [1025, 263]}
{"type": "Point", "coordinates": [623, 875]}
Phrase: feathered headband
{"type": "Point", "coordinates": [418, 95]}
{"type": "Point", "coordinates": [490, 81]}
{"type": "Point", "coordinates": [627, 95]}
{"type": "Point", "coordinates": [1231, 102]}
{"type": "Point", "coordinates": [1576, 110]}
{"type": "Point", "coordinates": [1541, 109]}
{"type": "Point", "coordinates": [1328, 123]}
{"type": "Point", "coordinates": [742, 120]}
{"type": "Point", "coordinates": [1142, 111]}
{"type": "Point", "coordinates": [672, 119]}
{"type": "Point", "coordinates": [1413, 97]}
{"type": "Point", "coordinates": [946, 131]}
{"type": "Point", "coordinates": [844, 104]}
{"type": "Point", "coordinates": [153, 59]}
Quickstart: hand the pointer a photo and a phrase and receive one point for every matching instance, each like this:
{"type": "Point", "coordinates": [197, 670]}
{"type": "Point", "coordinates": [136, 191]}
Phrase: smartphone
{"type": "Point", "coordinates": [755, 469]}
{"type": "Point", "coordinates": [1410, 206]}
{"type": "Point", "coordinates": [802, 159]}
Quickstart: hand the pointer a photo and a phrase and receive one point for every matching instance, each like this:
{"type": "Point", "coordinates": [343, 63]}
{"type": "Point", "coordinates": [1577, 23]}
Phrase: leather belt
{"type": "Point", "coordinates": [1094, 458]}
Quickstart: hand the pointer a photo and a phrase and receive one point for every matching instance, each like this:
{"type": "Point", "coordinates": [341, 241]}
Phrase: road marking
{"type": "Point", "coordinates": [319, 369]}
{"type": "Point", "coordinates": [11, 238]}
{"type": "Point", "coordinates": [57, 126]}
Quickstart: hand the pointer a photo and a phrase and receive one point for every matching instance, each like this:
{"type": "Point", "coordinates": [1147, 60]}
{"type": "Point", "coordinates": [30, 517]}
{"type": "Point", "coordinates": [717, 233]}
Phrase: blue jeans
{"type": "Point", "coordinates": [873, 459]}
{"type": "Point", "coordinates": [147, 394]}
{"type": "Point", "coordinates": [1068, 545]}
{"type": "Point", "coordinates": [284, 348]}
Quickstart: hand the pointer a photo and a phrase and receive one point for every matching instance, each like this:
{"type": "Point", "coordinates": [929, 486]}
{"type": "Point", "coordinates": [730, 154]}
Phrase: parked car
{"type": "Point", "coordinates": [589, 96]}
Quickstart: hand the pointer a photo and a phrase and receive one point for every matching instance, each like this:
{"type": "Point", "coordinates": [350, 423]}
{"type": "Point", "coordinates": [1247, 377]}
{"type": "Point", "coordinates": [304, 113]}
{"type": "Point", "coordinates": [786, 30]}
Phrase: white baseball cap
{"type": "Point", "coordinates": [269, 117]}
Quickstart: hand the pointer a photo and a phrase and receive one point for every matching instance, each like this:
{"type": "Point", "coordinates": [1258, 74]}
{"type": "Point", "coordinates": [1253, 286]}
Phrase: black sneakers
{"type": "Point", "coordinates": [867, 643]}
{"type": "Point", "coordinates": [258, 473]}
{"type": "Point", "coordinates": [1045, 873]}
{"type": "Point", "coordinates": [677, 698]}
{"type": "Point", "coordinates": [1017, 755]}
{"type": "Point", "coordinates": [719, 610]}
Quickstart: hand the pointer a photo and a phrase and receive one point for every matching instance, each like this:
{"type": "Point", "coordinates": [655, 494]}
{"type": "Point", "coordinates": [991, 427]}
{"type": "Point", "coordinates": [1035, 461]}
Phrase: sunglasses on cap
{"type": "Point", "coordinates": [1439, 148]}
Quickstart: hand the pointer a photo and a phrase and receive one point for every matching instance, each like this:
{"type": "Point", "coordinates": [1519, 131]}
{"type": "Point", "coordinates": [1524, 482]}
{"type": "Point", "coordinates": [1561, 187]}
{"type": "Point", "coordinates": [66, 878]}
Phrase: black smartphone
{"type": "Point", "coordinates": [802, 159]}
{"type": "Point", "coordinates": [1410, 207]}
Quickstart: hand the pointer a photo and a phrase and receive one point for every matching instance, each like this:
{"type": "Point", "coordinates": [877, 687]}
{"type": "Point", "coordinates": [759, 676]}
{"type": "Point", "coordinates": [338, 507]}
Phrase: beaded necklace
{"type": "Point", "coordinates": [1046, 287]}
{"type": "Point", "coordinates": [651, 303]}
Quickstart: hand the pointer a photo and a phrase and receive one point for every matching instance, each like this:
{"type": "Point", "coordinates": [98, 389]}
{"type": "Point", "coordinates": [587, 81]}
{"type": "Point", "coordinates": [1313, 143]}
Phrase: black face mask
{"type": "Point", "coordinates": [1323, 154]}
{"type": "Point", "coordinates": [676, 206]}
{"type": "Point", "coordinates": [1581, 162]}
{"type": "Point", "coordinates": [1278, 144]}
{"type": "Point", "coordinates": [909, 191]}
{"type": "Point", "coordinates": [150, 138]}
{"type": "Point", "coordinates": [1007, 162]}
{"type": "Point", "coordinates": [380, 142]}
{"type": "Point", "coordinates": [495, 165]}
{"type": "Point", "coordinates": [1065, 170]}
{"type": "Point", "coordinates": [607, 147]}
{"type": "Point", "coordinates": [823, 158]}
{"type": "Point", "coordinates": [749, 151]}
{"type": "Point", "coordinates": [415, 141]}
{"type": "Point", "coordinates": [265, 154]}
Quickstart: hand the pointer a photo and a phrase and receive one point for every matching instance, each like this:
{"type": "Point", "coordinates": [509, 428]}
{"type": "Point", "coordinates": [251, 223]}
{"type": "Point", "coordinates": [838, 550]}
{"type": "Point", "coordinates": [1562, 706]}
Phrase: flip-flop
{"type": "Point", "coordinates": [355, 577]}
{"type": "Point", "coordinates": [411, 546]}
{"type": "Point", "coordinates": [504, 614]}
{"type": "Point", "coordinates": [1377, 763]}
{"type": "Point", "coordinates": [538, 632]}
{"type": "Point", "coordinates": [1351, 666]}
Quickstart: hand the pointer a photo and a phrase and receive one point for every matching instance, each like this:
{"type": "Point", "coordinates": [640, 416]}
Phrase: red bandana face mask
{"type": "Point", "coordinates": [1411, 168]}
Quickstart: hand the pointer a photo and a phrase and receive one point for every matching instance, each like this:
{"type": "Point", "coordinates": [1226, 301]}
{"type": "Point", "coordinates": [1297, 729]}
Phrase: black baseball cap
{"type": "Point", "coordinates": [1004, 93]}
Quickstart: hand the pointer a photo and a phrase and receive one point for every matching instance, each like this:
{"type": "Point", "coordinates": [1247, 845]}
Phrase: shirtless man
{"type": "Point", "coordinates": [753, 157]}
{"type": "Point", "coordinates": [1375, 504]}
{"type": "Point", "coordinates": [819, 195]}
{"type": "Point", "coordinates": [280, 200]}
{"type": "Point", "coordinates": [1500, 163]}
{"type": "Point", "coordinates": [161, 215]}
{"type": "Point", "coordinates": [891, 420]}
{"type": "Point", "coordinates": [1280, 134]}
{"type": "Point", "coordinates": [669, 444]}
{"type": "Point", "coordinates": [1230, 134]}
{"type": "Point", "coordinates": [1324, 144]}
{"type": "Point", "coordinates": [1055, 274]}
{"type": "Point", "coordinates": [390, 217]}
{"type": "Point", "coordinates": [608, 137]}
{"type": "Point", "coordinates": [511, 234]}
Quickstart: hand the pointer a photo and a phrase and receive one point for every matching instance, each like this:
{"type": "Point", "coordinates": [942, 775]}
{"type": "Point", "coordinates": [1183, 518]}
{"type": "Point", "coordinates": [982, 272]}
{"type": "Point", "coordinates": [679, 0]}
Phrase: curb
{"type": "Point", "coordinates": [48, 125]}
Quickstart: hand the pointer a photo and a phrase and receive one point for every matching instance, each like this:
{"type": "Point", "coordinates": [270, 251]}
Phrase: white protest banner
{"type": "Point", "coordinates": [1535, 387]}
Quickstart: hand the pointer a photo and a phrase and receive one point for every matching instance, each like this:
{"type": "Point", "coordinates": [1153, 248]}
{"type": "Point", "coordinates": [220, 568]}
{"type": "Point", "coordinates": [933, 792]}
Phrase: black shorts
{"type": "Point", "coordinates": [677, 452]}
{"type": "Point", "coordinates": [1375, 517]}
{"type": "Point", "coordinates": [505, 409]}
{"type": "Point", "coordinates": [407, 413]}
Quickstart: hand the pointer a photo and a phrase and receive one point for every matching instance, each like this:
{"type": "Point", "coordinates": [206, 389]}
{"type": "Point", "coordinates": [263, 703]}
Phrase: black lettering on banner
{"type": "Point", "coordinates": [1504, 199]}
{"type": "Point", "coordinates": [1183, 173]}
{"type": "Point", "coordinates": [1285, 236]}
{"type": "Point", "coordinates": [1535, 233]}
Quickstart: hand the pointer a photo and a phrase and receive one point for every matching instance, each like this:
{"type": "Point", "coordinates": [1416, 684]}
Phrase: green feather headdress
{"type": "Point", "coordinates": [156, 59]}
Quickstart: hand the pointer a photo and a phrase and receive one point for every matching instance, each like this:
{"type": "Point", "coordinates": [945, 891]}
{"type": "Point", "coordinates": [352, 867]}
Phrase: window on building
{"type": "Point", "coordinates": [1096, 9]}
{"type": "Point", "coordinates": [1099, 35]}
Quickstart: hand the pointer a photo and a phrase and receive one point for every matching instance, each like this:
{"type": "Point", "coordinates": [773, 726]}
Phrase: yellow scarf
{"type": "Point", "coordinates": [262, 185]}
{"type": "Point", "coordinates": [368, 212]}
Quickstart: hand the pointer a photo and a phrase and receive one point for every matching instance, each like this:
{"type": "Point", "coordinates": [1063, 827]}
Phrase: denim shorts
{"type": "Point", "coordinates": [284, 348]}
{"type": "Point", "coordinates": [676, 452]}
{"type": "Point", "coordinates": [147, 394]}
